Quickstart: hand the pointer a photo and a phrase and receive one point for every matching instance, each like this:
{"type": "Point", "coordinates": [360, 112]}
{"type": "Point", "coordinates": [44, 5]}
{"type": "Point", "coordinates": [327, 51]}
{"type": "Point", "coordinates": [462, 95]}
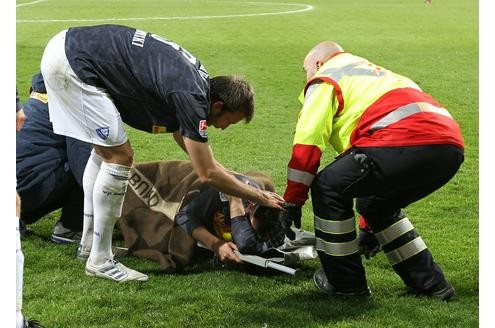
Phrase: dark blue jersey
{"type": "Point", "coordinates": [156, 85]}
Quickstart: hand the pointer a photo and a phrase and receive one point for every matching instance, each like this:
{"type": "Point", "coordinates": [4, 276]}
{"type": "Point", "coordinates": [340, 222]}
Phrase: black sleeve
{"type": "Point", "coordinates": [191, 112]}
{"type": "Point", "coordinates": [199, 212]}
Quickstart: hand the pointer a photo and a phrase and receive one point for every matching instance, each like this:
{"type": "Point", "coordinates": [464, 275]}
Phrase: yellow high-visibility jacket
{"type": "Point", "coordinates": [352, 102]}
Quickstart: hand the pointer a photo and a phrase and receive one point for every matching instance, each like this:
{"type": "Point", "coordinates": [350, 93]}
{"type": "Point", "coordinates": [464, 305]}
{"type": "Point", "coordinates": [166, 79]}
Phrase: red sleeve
{"type": "Point", "coordinates": [302, 169]}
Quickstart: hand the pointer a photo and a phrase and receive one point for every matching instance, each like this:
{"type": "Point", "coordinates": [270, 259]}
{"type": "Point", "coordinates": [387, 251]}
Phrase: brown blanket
{"type": "Point", "coordinates": [155, 194]}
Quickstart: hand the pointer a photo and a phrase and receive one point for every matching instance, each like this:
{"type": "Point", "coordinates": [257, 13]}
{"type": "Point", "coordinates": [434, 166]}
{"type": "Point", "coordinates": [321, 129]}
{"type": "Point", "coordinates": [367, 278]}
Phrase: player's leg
{"type": "Point", "coordinates": [19, 267]}
{"type": "Point", "coordinates": [110, 186]}
{"type": "Point", "coordinates": [108, 197]}
{"type": "Point", "coordinates": [89, 178]}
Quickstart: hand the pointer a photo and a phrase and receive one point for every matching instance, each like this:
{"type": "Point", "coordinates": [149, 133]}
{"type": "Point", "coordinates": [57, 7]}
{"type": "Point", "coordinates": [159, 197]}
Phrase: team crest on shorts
{"type": "Point", "coordinates": [202, 128]}
{"type": "Point", "coordinates": [103, 132]}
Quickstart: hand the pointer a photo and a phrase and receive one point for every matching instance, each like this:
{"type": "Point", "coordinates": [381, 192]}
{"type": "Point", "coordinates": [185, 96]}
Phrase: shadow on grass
{"type": "Point", "coordinates": [321, 308]}
{"type": "Point", "coordinates": [300, 309]}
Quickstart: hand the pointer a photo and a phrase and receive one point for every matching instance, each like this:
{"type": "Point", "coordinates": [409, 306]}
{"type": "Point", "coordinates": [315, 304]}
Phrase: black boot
{"type": "Point", "coordinates": [321, 282]}
{"type": "Point", "coordinates": [443, 291]}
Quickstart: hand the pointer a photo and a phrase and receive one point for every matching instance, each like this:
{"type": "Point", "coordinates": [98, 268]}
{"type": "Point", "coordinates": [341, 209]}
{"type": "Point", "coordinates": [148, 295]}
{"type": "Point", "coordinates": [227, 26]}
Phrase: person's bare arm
{"type": "Point", "coordinates": [218, 177]}
{"type": "Point", "coordinates": [223, 249]}
{"type": "Point", "coordinates": [236, 207]}
{"type": "Point", "coordinates": [180, 140]}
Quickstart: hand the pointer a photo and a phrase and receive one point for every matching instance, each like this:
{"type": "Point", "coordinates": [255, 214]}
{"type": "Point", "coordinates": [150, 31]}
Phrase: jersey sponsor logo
{"type": "Point", "coordinates": [203, 126]}
{"type": "Point", "coordinates": [158, 129]}
{"type": "Point", "coordinates": [103, 132]}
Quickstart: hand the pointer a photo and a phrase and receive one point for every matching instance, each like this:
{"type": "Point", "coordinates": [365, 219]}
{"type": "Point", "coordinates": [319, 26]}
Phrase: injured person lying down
{"type": "Point", "coordinates": [167, 211]}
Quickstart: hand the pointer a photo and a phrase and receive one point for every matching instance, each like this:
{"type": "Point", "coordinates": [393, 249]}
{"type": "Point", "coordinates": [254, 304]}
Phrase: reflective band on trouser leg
{"type": "Point", "coordinates": [409, 255]}
{"type": "Point", "coordinates": [411, 245]}
{"type": "Point", "coordinates": [394, 231]}
{"type": "Point", "coordinates": [337, 249]}
{"type": "Point", "coordinates": [335, 227]}
{"type": "Point", "coordinates": [406, 251]}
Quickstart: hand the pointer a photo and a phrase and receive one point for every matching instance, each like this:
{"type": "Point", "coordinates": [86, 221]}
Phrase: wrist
{"type": "Point", "coordinates": [260, 196]}
{"type": "Point", "coordinates": [215, 246]}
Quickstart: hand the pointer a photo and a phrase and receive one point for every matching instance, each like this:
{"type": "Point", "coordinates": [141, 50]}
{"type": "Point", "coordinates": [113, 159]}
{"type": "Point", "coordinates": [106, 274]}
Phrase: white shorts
{"type": "Point", "coordinates": [77, 109]}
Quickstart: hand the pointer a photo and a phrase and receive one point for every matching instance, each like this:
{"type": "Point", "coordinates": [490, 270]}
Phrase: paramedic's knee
{"type": "Point", "coordinates": [328, 201]}
{"type": "Point", "coordinates": [378, 213]}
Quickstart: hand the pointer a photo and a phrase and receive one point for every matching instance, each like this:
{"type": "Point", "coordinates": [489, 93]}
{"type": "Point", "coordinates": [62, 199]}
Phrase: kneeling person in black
{"type": "Point", "coordinates": [49, 169]}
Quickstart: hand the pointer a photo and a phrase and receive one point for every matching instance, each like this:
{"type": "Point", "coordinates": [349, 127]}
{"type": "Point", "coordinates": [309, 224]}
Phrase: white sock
{"type": "Point", "coordinates": [19, 277]}
{"type": "Point", "coordinates": [19, 319]}
{"type": "Point", "coordinates": [108, 197]}
{"type": "Point", "coordinates": [89, 177]}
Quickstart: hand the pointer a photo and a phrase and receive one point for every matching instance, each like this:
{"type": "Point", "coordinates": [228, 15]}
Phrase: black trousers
{"type": "Point", "coordinates": [382, 180]}
{"type": "Point", "coordinates": [59, 190]}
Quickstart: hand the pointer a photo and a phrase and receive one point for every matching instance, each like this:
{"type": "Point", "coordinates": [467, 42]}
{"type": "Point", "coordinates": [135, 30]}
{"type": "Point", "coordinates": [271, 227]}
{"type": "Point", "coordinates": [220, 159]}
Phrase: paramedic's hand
{"type": "Point", "coordinates": [225, 252]}
{"type": "Point", "coordinates": [291, 214]}
{"type": "Point", "coordinates": [368, 245]}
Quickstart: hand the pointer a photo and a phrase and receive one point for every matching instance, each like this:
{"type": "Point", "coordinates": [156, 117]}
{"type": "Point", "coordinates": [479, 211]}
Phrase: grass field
{"type": "Point", "coordinates": [436, 46]}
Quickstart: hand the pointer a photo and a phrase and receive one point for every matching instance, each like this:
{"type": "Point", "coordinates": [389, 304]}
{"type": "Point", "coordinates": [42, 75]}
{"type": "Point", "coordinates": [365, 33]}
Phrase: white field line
{"type": "Point", "coordinates": [296, 11]}
{"type": "Point", "coordinates": [29, 3]}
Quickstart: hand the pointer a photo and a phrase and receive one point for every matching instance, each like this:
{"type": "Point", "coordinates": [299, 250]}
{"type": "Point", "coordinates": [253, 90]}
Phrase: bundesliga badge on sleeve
{"type": "Point", "coordinates": [203, 126]}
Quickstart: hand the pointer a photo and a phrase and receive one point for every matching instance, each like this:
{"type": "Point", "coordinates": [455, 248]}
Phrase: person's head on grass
{"type": "Point", "coordinates": [266, 221]}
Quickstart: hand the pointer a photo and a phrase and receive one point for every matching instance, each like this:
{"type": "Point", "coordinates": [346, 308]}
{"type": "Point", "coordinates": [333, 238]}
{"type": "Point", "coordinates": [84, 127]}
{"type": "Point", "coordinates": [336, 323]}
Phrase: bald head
{"type": "Point", "coordinates": [317, 56]}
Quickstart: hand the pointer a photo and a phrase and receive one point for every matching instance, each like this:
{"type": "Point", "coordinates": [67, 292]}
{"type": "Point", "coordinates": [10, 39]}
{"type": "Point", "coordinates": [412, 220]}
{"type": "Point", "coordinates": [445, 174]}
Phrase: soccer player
{"type": "Point", "coordinates": [99, 77]}
{"type": "Point", "coordinates": [396, 144]}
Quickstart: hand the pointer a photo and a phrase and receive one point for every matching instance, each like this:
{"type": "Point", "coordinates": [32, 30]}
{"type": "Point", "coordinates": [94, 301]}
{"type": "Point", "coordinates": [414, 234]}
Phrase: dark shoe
{"type": "Point", "coordinates": [32, 324]}
{"type": "Point", "coordinates": [321, 282]}
{"type": "Point", "coordinates": [443, 291]}
{"type": "Point", "coordinates": [24, 230]}
{"type": "Point", "coordinates": [62, 235]}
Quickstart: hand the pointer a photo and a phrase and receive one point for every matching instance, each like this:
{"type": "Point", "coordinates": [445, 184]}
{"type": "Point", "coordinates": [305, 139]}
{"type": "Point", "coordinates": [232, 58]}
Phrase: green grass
{"type": "Point", "coordinates": [437, 46]}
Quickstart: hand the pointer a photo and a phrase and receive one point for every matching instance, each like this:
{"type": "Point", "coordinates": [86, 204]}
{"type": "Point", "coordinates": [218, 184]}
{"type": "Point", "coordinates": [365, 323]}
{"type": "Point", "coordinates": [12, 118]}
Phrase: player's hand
{"type": "Point", "coordinates": [225, 252]}
{"type": "Point", "coordinates": [291, 214]}
{"type": "Point", "coordinates": [270, 199]}
{"type": "Point", "coordinates": [368, 245]}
